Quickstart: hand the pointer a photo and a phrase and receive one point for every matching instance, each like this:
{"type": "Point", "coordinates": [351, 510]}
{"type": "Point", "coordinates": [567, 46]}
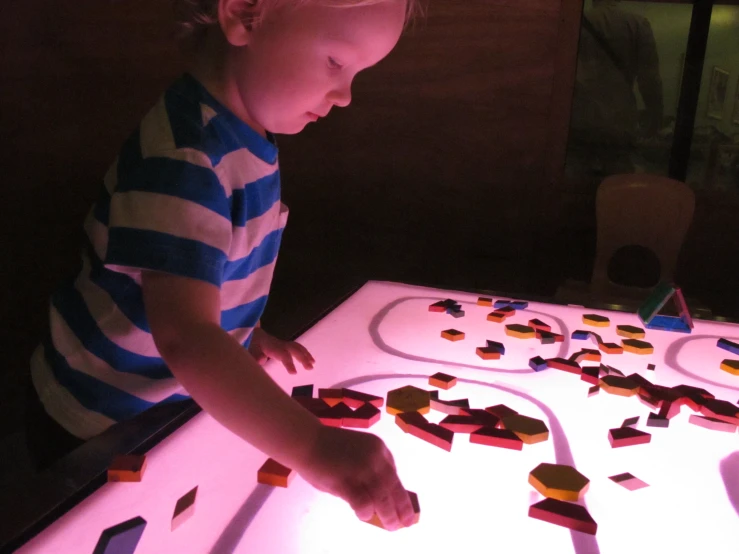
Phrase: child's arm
{"type": "Point", "coordinates": [226, 381]}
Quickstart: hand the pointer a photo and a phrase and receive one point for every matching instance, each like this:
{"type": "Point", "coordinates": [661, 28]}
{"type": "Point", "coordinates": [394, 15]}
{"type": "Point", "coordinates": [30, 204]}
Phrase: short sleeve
{"type": "Point", "coordinates": [170, 213]}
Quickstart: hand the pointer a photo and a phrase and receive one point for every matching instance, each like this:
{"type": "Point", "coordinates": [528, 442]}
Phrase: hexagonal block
{"type": "Point", "coordinates": [528, 429]}
{"type": "Point", "coordinates": [561, 482]}
{"type": "Point", "coordinates": [636, 346]}
{"type": "Point", "coordinates": [520, 331]}
{"type": "Point", "coordinates": [630, 332]}
{"type": "Point", "coordinates": [452, 335]}
{"type": "Point", "coordinates": [730, 366]}
{"type": "Point", "coordinates": [408, 399]}
{"type": "Point", "coordinates": [596, 320]}
{"type": "Point", "coordinates": [620, 386]}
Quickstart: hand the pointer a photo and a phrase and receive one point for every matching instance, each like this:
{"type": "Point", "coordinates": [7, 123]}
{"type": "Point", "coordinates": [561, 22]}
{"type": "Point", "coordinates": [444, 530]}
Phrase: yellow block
{"type": "Point", "coordinates": [596, 320]}
{"type": "Point", "coordinates": [730, 366]}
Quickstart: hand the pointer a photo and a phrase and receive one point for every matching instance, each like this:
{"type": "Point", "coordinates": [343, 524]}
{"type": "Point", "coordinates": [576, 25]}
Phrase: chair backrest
{"type": "Point", "coordinates": [644, 210]}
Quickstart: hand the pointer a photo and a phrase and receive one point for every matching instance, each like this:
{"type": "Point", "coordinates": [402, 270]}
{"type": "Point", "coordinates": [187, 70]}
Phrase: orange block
{"type": "Point", "coordinates": [497, 317]}
{"type": "Point", "coordinates": [487, 353]}
{"type": "Point", "coordinates": [127, 468]}
{"type": "Point", "coordinates": [275, 474]}
{"type": "Point", "coordinates": [483, 301]}
{"type": "Point", "coordinates": [442, 380]}
{"type": "Point", "coordinates": [611, 348]}
{"type": "Point", "coordinates": [416, 510]}
{"type": "Point", "coordinates": [452, 335]}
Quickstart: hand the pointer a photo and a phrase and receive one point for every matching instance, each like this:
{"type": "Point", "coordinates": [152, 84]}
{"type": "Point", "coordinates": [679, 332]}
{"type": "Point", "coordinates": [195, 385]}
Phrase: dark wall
{"type": "Point", "coordinates": [435, 173]}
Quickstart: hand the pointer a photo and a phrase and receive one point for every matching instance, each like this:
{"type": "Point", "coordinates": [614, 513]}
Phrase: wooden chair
{"type": "Point", "coordinates": [634, 209]}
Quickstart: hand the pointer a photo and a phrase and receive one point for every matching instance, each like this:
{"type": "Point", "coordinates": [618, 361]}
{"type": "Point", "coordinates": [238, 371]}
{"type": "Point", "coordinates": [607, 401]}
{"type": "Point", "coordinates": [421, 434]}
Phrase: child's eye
{"type": "Point", "coordinates": [333, 64]}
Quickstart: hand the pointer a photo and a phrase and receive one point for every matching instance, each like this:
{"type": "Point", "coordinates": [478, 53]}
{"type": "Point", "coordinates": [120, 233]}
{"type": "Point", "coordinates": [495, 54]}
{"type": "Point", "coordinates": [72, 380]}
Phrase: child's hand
{"type": "Point", "coordinates": [359, 468]}
{"type": "Point", "coordinates": [264, 346]}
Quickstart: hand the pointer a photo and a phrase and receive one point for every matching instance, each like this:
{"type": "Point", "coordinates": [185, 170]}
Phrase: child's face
{"type": "Point", "coordinates": [300, 62]}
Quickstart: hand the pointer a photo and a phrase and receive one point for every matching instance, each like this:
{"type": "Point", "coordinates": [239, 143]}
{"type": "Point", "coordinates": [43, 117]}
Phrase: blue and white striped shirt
{"type": "Point", "coordinates": [194, 192]}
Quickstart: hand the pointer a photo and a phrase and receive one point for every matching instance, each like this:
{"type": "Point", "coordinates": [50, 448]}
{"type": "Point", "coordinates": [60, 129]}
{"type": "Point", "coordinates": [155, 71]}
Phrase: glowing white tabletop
{"type": "Point", "coordinates": [474, 498]}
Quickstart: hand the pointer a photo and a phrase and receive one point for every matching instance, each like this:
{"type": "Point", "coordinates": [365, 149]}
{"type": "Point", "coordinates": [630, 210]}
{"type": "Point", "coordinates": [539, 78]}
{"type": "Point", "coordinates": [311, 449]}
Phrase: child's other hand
{"type": "Point", "coordinates": [359, 468]}
{"type": "Point", "coordinates": [264, 346]}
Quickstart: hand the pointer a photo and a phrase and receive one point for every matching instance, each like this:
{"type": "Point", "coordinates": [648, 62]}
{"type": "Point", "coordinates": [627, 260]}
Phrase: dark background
{"type": "Point", "coordinates": [445, 170]}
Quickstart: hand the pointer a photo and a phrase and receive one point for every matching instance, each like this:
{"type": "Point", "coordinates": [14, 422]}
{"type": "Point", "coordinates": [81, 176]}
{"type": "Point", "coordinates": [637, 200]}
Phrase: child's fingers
{"type": "Point", "coordinates": [287, 361]}
{"type": "Point", "coordinates": [302, 355]}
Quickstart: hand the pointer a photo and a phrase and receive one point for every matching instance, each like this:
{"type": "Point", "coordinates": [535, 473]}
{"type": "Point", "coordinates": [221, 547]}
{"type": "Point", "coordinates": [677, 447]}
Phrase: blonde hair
{"type": "Point", "coordinates": [194, 17]}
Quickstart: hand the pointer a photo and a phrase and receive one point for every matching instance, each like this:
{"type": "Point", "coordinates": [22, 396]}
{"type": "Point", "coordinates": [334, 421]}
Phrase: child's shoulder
{"type": "Point", "coordinates": [181, 120]}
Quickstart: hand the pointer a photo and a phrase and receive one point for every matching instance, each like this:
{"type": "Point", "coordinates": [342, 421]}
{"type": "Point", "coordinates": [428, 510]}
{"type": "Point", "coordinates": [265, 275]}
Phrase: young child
{"type": "Point", "coordinates": [183, 240]}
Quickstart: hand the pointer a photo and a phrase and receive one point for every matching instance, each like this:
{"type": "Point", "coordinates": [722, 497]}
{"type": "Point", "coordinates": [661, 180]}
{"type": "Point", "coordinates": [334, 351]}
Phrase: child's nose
{"type": "Point", "coordinates": [341, 97]}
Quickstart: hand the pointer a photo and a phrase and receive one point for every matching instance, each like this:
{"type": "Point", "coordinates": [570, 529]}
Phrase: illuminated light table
{"type": "Point", "coordinates": [474, 498]}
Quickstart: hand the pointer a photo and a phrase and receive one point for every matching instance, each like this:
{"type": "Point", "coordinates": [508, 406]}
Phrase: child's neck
{"type": "Point", "coordinates": [211, 70]}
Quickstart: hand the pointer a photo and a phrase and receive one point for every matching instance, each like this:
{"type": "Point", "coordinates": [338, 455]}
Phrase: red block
{"type": "Point", "coordinates": [590, 375]}
{"type": "Point", "coordinates": [712, 424]}
{"type": "Point", "coordinates": [564, 365]}
{"type": "Point", "coordinates": [501, 438]}
{"type": "Point", "coordinates": [720, 409]}
{"type": "Point", "coordinates": [461, 423]}
{"type": "Point", "coordinates": [406, 420]}
{"type": "Point", "coordinates": [565, 514]}
{"type": "Point", "coordinates": [451, 407]}
{"type": "Point", "coordinates": [434, 434]}
{"type": "Point", "coordinates": [539, 325]}
{"type": "Point", "coordinates": [485, 418]}
{"type": "Point", "coordinates": [331, 396]}
{"type": "Point", "coordinates": [355, 399]}
{"type": "Point", "coordinates": [363, 417]}
{"type": "Point", "coordinates": [500, 410]}
{"type": "Point", "coordinates": [334, 416]}
{"type": "Point", "coordinates": [627, 436]}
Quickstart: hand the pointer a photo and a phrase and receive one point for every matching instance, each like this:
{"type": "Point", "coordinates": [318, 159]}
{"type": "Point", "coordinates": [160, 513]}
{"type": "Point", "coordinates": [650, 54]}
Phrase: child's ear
{"type": "Point", "coordinates": [235, 18]}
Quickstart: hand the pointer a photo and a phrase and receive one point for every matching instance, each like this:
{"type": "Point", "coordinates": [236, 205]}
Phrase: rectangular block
{"type": "Point", "coordinates": [484, 301]}
{"type": "Point", "coordinates": [500, 438]}
{"type": "Point", "coordinates": [564, 365]}
{"type": "Point", "coordinates": [564, 514]}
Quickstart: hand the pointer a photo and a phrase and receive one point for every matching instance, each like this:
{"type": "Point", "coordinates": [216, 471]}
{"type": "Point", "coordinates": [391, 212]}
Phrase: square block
{"type": "Point", "coordinates": [484, 301]}
{"type": "Point", "coordinates": [538, 363]}
{"type": "Point", "coordinates": [303, 390]}
{"type": "Point", "coordinates": [452, 335]}
{"type": "Point", "coordinates": [127, 468]}
{"type": "Point", "coordinates": [501, 438]}
{"type": "Point", "coordinates": [650, 367]}
{"type": "Point", "coordinates": [499, 346]}
{"type": "Point", "coordinates": [496, 317]}
{"type": "Point", "coordinates": [456, 313]}
{"type": "Point", "coordinates": [627, 436]}
{"type": "Point", "coordinates": [487, 353]}
{"type": "Point", "coordinates": [275, 474]}
{"type": "Point", "coordinates": [611, 348]}
{"type": "Point", "coordinates": [442, 381]}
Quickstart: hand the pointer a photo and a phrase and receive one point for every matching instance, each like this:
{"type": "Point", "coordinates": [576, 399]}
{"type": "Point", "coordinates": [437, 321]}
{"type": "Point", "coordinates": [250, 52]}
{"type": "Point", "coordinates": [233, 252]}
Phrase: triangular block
{"type": "Point", "coordinates": [650, 315]}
